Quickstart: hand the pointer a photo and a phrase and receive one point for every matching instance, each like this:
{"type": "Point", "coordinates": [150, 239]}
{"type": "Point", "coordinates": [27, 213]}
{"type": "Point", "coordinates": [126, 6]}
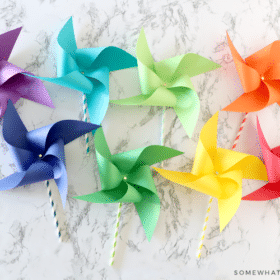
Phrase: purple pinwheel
{"type": "Point", "coordinates": [13, 83]}
{"type": "Point", "coordinates": [39, 154]}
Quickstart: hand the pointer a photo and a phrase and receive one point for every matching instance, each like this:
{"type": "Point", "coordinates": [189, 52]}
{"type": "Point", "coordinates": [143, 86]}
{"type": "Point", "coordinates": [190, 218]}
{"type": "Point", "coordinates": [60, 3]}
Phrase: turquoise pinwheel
{"type": "Point", "coordinates": [126, 177]}
{"type": "Point", "coordinates": [87, 70]}
{"type": "Point", "coordinates": [167, 83]}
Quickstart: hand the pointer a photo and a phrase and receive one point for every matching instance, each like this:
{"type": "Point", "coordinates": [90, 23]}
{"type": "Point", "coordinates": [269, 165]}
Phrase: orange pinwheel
{"type": "Point", "coordinates": [260, 78]}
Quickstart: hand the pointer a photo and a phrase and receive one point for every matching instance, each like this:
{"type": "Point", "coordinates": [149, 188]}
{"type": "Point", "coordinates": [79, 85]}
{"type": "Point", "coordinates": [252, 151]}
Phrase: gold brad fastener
{"type": "Point", "coordinates": [125, 178]}
{"type": "Point", "coordinates": [83, 73]}
{"type": "Point", "coordinates": [40, 155]}
{"type": "Point", "coordinates": [262, 78]}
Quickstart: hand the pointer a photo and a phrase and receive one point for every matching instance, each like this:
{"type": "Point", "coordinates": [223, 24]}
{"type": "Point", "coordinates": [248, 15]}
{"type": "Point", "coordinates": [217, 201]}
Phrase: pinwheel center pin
{"type": "Point", "coordinates": [216, 172]}
{"type": "Point", "coordinates": [164, 84]}
{"type": "Point", "coordinates": [82, 72]}
{"type": "Point", "coordinates": [262, 78]}
{"type": "Point", "coordinates": [125, 178]}
{"type": "Point", "coordinates": [40, 155]}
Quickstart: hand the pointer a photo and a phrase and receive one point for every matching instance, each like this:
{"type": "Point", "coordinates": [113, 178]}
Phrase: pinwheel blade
{"type": "Point", "coordinates": [187, 64]}
{"type": "Point", "coordinates": [37, 172]}
{"type": "Point", "coordinates": [142, 177]}
{"type": "Point", "coordinates": [98, 98]}
{"type": "Point", "coordinates": [131, 160]}
{"type": "Point", "coordinates": [68, 130]}
{"type": "Point", "coordinates": [11, 181]}
{"type": "Point", "coordinates": [160, 97]}
{"type": "Point", "coordinates": [66, 37]}
{"type": "Point", "coordinates": [250, 101]}
{"type": "Point", "coordinates": [265, 58]}
{"type": "Point", "coordinates": [101, 145]}
{"type": "Point", "coordinates": [110, 57]}
{"type": "Point", "coordinates": [14, 131]}
{"type": "Point", "coordinates": [62, 182]}
{"type": "Point", "coordinates": [7, 42]}
{"type": "Point", "coordinates": [143, 52]}
{"type": "Point", "coordinates": [187, 109]}
{"type": "Point", "coordinates": [148, 210]}
{"type": "Point", "coordinates": [66, 64]}
{"type": "Point", "coordinates": [123, 193]}
{"type": "Point", "coordinates": [250, 166]}
{"type": "Point", "coordinates": [106, 167]}
{"type": "Point", "coordinates": [267, 192]}
{"type": "Point", "coordinates": [74, 80]}
{"type": "Point", "coordinates": [7, 71]}
{"type": "Point", "coordinates": [228, 207]}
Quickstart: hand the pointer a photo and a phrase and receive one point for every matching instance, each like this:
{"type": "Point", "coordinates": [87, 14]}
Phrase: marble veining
{"type": "Point", "coordinates": [29, 245]}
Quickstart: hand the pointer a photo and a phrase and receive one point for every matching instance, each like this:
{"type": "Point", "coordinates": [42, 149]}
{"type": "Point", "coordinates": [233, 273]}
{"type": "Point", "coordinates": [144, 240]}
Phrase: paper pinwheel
{"type": "Point", "coordinates": [218, 172]}
{"type": "Point", "coordinates": [272, 163]}
{"type": "Point", "coordinates": [87, 70]}
{"type": "Point", "coordinates": [259, 75]}
{"type": "Point", "coordinates": [167, 83]}
{"type": "Point", "coordinates": [13, 83]}
{"type": "Point", "coordinates": [126, 177]}
{"type": "Point", "coordinates": [39, 154]}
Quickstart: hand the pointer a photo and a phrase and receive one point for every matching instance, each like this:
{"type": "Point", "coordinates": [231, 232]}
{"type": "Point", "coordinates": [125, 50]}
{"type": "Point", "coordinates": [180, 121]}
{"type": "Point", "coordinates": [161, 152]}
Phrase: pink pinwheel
{"type": "Point", "coordinates": [13, 83]}
{"type": "Point", "coordinates": [272, 163]}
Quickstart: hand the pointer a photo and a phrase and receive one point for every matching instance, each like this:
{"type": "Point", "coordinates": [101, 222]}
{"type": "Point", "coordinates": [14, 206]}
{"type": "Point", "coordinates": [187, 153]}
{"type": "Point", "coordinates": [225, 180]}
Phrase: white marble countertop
{"type": "Point", "coordinates": [29, 247]}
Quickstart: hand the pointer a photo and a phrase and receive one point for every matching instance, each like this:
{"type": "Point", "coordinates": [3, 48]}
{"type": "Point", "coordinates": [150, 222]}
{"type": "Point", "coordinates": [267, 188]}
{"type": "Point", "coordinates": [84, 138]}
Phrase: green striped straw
{"type": "Point", "coordinates": [116, 234]}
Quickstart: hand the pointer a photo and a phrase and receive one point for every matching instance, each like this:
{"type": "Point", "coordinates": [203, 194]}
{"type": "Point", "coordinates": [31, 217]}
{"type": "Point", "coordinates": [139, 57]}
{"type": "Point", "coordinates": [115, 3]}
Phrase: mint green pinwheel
{"type": "Point", "coordinates": [167, 83]}
{"type": "Point", "coordinates": [126, 177]}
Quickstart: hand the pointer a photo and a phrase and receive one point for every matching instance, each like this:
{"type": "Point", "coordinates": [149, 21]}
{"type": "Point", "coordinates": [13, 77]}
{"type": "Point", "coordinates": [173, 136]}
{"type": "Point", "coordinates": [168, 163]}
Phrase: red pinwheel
{"type": "Point", "coordinates": [272, 163]}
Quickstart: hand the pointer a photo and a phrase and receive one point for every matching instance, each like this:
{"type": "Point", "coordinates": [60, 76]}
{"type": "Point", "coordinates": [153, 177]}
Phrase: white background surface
{"type": "Point", "coordinates": [29, 248]}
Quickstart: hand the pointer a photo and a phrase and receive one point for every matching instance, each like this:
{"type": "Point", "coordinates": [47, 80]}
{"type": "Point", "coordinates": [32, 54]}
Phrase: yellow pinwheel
{"type": "Point", "coordinates": [218, 172]}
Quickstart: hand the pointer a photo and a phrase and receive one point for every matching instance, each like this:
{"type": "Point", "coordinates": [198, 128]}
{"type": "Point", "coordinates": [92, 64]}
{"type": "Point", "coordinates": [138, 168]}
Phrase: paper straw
{"type": "Point", "coordinates": [162, 130]}
{"type": "Point", "coordinates": [85, 119]}
{"type": "Point", "coordinates": [54, 211]}
{"type": "Point", "coordinates": [162, 126]}
{"type": "Point", "coordinates": [204, 228]}
{"type": "Point", "coordinates": [200, 246]}
{"type": "Point", "coordinates": [239, 131]}
{"type": "Point", "coordinates": [116, 234]}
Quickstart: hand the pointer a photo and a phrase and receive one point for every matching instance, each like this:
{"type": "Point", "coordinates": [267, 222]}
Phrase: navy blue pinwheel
{"type": "Point", "coordinates": [39, 154]}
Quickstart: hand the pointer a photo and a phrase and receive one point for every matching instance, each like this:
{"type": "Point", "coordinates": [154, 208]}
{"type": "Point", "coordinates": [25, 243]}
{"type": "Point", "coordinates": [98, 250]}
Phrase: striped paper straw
{"type": "Point", "coordinates": [239, 131]}
{"type": "Point", "coordinates": [200, 246]}
{"type": "Point", "coordinates": [85, 119]}
{"type": "Point", "coordinates": [204, 228]}
{"type": "Point", "coordinates": [116, 234]}
{"type": "Point", "coordinates": [54, 211]}
{"type": "Point", "coordinates": [162, 130]}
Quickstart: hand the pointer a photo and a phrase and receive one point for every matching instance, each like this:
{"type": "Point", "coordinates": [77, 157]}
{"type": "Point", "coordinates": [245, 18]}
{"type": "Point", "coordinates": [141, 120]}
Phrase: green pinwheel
{"type": "Point", "coordinates": [126, 177]}
{"type": "Point", "coordinates": [167, 83]}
